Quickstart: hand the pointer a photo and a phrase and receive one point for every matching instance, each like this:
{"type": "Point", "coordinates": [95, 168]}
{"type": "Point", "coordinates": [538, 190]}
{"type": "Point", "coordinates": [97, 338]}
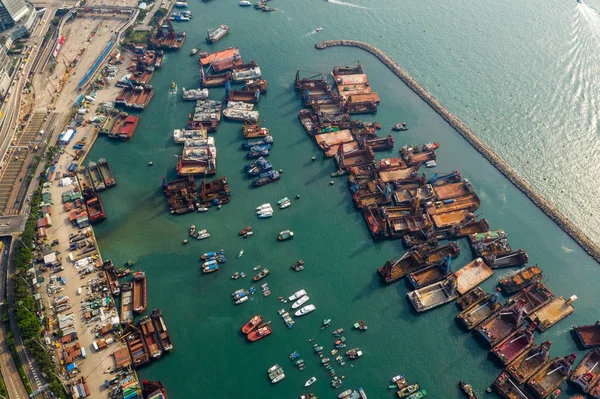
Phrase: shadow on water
{"type": "Point", "coordinates": [319, 176]}
{"type": "Point", "coordinates": [368, 290]}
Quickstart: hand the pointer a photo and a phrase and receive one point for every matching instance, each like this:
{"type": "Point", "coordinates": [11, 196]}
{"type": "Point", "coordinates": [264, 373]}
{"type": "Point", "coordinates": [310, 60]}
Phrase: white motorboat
{"type": "Point", "coordinates": [202, 236]}
{"type": "Point", "coordinates": [270, 210]}
{"type": "Point", "coordinates": [305, 310]}
{"type": "Point", "coordinates": [397, 378]}
{"type": "Point", "coordinates": [241, 300]}
{"type": "Point", "coordinates": [202, 209]}
{"type": "Point", "coordinates": [285, 204]}
{"type": "Point", "coordinates": [265, 215]}
{"type": "Point", "coordinates": [278, 378]}
{"type": "Point", "coordinates": [347, 392]}
{"type": "Point", "coordinates": [310, 381]}
{"type": "Point", "coordinates": [275, 367]}
{"type": "Point", "coordinates": [281, 201]}
{"type": "Point", "coordinates": [297, 295]}
{"type": "Point", "coordinates": [319, 30]}
{"type": "Point", "coordinates": [300, 302]}
{"type": "Point", "coordinates": [264, 206]}
{"type": "Point", "coordinates": [245, 3]}
{"type": "Point", "coordinates": [430, 164]}
{"type": "Point", "coordinates": [257, 267]}
{"type": "Point", "coordinates": [240, 254]}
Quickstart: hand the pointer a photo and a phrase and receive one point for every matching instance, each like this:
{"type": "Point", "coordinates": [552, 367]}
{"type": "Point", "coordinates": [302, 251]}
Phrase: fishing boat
{"type": "Point", "coordinates": [300, 302]}
{"type": "Point", "coordinates": [338, 332]}
{"type": "Point", "coordinates": [480, 310]}
{"type": "Point", "coordinates": [241, 253]}
{"type": "Point", "coordinates": [515, 344]}
{"type": "Point", "coordinates": [326, 323]}
{"type": "Point", "coordinates": [310, 381]}
{"type": "Point", "coordinates": [360, 326]}
{"type": "Point", "coordinates": [259, 333]}
{"type": "Point", "coordinates": [502, 323]}
{"type": "Point", "coordinates": [300, 364]}
{"type": "Point", "coordinates": [161, 329]}
{"type": "Point", "coordinates": [139, 292]}
{"type": "Point", "coordinates": [245, 230]}
{"type": "Point", "coordinates": [526, 365]}
{"type": "Point", "coordinates": [467, 389]}
{"type": "Point", "coordinates": [354, 353]}
{"type": "Point", "coordinates": [521, 279]}
{"type": "Point", "coordinates": [398, 127]}
{"type": "Point", "coordinates": [294, 355]}
{"type": "Point", "coordinates": [202, 235]}
{"type": "Point", "coordinates": [211, 268]}
{"type": "Point", "coordinates": [347, 392]}
{"type": "Point", "coordinates": [251, 324]}
{"type": "Point", "coordinates": [551, 375]}
{"type": "Point", "coordinates": [297, 295]}
{"type": "Point", "coordinates": [235, 276]}
{"type": "Point", "coordinates": [407, 390]}
{"type": "Point", "coordinates": [305, 310]}
{"type": "Point", "coordinates": [241, 300]}
{"type": "Point", "coordinates": [263, 273]}
{"type": "Point", "coordinates": [417, 395]}
{"type": "Point", "coordinates": [150, 337]}
{"type": "Point", "coordinates": [173, 88]}
{"type": "Point", "coordinates": [434, 295]}
{"type": "Point", "coordinates": [266, 178]}
{"type": "Point", "coordinates": [194, 51]}
{"type": "Point", "coordinates": [587, 373]}
{"type": "Point", "coordinates": [285, 235]}
{"type": "Point", "coordinates": [298, 266]}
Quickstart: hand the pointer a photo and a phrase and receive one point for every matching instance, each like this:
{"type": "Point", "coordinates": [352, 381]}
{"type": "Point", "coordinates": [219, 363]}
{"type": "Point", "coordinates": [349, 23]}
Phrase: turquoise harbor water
{"type": "Point", "coordinates": [521, 75]}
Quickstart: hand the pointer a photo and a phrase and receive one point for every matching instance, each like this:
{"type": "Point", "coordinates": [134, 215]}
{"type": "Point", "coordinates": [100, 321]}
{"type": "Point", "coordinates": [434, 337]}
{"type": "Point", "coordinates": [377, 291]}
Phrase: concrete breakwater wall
{"type": "Point", "coordinates": [546, 207]}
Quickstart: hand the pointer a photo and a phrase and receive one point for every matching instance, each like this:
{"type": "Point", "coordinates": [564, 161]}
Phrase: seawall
{"type": "Point", "coordinates": [563, 222]}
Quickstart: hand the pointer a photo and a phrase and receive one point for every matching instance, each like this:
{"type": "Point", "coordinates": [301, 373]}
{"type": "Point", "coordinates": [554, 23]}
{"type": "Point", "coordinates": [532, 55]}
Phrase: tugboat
{"type": "Point", "coordinates": [252, 323]}
{"type": "Point", "coordinates": [259, 334]}
{"type": "Point", "coordinates": [399, 127]}
{"type": "Point", "coordinates": [468, 390]}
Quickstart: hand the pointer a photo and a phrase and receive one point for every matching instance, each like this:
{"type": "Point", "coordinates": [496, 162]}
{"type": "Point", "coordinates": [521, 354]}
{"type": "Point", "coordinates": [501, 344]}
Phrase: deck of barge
{"type": "Point", "coordinates": [552, 313]}
{"type": "Point", "coordinates": [452, 190]}
{"type": "Point", "coordinates": [471, 275]}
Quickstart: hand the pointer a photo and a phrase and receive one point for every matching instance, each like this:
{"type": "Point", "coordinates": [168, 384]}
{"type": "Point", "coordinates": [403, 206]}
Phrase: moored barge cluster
{"type": "Point", "coordinates": [397, 201]}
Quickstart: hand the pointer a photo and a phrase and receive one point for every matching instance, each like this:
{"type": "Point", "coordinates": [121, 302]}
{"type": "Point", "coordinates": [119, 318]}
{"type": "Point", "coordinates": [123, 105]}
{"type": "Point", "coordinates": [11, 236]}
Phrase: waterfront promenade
{"type": "Point", "coordinates": [552, 212]}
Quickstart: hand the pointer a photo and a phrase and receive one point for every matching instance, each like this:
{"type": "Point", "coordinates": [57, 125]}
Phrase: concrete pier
{"type": "Point", "coordinates": [546, 207]}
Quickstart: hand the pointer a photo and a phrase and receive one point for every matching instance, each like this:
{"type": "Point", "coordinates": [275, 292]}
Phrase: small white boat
{"type": "Point", "coordinates": [240, 254]}
{"type": "Point", "coordinates": [310, 381]}
{"type": "Point", "coordinates": [319, 30]}
{"type": "Point", "coordinates": [242, 300]}
{"type": "Point", "coordinates": [265, 215]}
{"type": "Point", "coordinates": [266, 210]}
{"type": "Point", "coordinates": [264, 206]}
{"type": "Point", "coordinates": [278, 378]}
{"type": "Point", "coordinates": [297, 295]}
{"type": "Point", "coordinates": [202, 209]}
{"type": "Point", "coordinates": [281, 201]}
{"type": "Point", "coordinates": [300, 302]}
{"type": "Point", "coordinates": [430, 164]}
{"type": "Point", "coordinates": [305, 310]}
{"type": "Point", "coordinates": [347, 392]}
{"type": "Point", "coordinates": [285, 204]}
{"type": "Point", "coordinates": [397, 378]}
{"type": "Point", "coordinates": [248, 234]}
{"type": "Point", "coordinates": [257, 268]}
{"type": "Point", "coordinates": [202, 236]}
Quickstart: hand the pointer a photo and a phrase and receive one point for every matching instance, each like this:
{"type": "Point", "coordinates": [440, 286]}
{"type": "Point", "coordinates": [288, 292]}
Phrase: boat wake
{"type": "Point", "coordinates": [314, 32]}
{"type": "Point", "coordinates": [342, 3]}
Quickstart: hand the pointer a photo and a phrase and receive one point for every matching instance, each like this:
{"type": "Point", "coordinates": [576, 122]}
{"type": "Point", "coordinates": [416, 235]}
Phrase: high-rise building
{"type": "Point", "coordinates": [6, 69]}
{"type": "Point", "coordinates": [12, 11]}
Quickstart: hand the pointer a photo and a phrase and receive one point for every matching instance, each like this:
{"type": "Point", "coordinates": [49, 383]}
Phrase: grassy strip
{"type": "Point", "coordinates": [25, 310]}
{"type": "Point", "coordinates": [3, 390]}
